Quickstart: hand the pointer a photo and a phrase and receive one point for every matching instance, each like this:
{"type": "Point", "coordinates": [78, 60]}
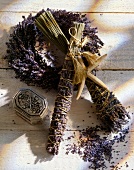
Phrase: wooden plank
{"type": "Point", "coordinates": [23, 146]}
{"type": "Point", "coordinates": [120, 82]}
{"type": "Point", "coordinates": [116, 79]}
{"type": "Point", "coordinates": [75, 5]}
{"type": "Point", "coordinates": [115, 30]}
{"type": "Point", "coordinates": [9, 86]}
{"type": "Point", "coordinates": [30, 148]}
{"type": "Point", "coordinates": [21, 142]}
{"type": "Point", "coordinates": [113, 79]}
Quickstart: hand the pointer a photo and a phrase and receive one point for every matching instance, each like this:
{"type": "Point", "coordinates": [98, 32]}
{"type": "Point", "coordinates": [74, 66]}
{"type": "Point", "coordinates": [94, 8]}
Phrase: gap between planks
{"type": "Point", "coordinates": [83, 12]}
{"type": "Point", "coordinates": [98, 69]}
{"type": "Point", "coordinates": [75, 5]}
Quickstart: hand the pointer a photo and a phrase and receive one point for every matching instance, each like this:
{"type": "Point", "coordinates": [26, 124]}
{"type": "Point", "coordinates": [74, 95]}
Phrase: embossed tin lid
{"type": "Point", "coordinates": [30, 106]}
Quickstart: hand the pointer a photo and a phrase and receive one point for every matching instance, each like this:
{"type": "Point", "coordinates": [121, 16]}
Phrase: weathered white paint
{"type": "Point", "coordinates": [74, 5]}
{"type": "Point", "coordinates": [22, 146]}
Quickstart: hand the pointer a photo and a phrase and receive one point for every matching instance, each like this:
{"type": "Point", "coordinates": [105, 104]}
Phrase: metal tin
{"type": "Point", "coordinates": [30, 106]}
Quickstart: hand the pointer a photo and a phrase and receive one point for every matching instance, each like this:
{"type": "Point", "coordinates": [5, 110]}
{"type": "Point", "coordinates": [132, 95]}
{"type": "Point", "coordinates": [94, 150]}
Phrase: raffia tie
{"type": "Point", "coordinates": [81, 71]}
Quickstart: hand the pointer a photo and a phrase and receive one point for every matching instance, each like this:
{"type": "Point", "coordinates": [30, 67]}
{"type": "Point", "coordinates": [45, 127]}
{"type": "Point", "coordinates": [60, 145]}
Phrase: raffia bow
{"type": "Point", "coordinates": [82, 71]}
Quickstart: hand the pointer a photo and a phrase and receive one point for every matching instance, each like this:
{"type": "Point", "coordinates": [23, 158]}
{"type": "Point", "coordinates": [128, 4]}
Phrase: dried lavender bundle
{"type": "Point", "coordinates": [51, 30]}
{"type": "Point", "coordinates": [108, 107]}
{"type": "Point", "coordinates": [62, 107]}
{"type": "Point", "coordinates": [64, 97]}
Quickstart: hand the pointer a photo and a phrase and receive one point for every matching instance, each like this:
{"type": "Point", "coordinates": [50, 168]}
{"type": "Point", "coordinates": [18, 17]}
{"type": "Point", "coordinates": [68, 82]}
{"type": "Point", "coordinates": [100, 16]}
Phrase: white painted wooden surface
{"type": "Point", "coordinates": [22, 146]}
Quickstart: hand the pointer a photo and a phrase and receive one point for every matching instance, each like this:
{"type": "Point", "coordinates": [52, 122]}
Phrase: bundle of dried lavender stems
{"type": "Point", "coordinates": [48, 25]}
{"type": "Point", "coordinates": [78, 71]}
